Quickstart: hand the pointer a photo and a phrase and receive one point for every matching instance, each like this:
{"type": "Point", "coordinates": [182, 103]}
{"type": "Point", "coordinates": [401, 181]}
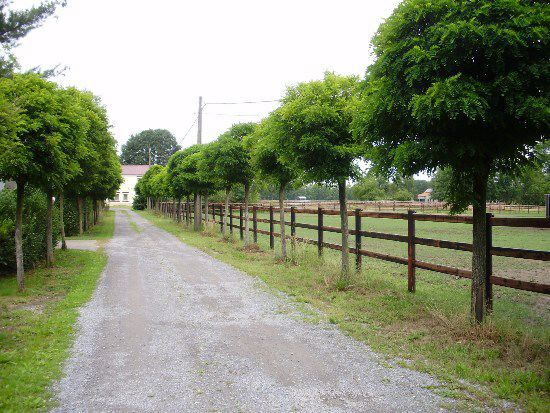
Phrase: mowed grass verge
{"type": "Point", "coordinates": [428, 331]}
{"type": "Point", "coordinates": [37, 326]}
{"type": "Point", "coordinates": [103, 230]}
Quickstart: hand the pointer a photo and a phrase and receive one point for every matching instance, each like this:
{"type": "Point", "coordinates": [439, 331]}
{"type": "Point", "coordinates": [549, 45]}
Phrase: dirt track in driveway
{"type": "Point", "coordinates": [170, 328]}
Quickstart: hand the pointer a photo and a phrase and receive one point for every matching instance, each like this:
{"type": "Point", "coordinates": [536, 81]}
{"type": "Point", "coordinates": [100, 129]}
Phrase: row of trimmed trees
{"type": "Point", "coordinates": [456, 85]}
{"type": "Point", "coordinates": [56, 139]}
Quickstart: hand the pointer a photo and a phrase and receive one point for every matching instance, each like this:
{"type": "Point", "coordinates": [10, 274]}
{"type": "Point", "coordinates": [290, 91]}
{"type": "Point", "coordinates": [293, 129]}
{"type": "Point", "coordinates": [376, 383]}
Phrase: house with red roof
{"type": "Point", "coordinates": [130, 175]}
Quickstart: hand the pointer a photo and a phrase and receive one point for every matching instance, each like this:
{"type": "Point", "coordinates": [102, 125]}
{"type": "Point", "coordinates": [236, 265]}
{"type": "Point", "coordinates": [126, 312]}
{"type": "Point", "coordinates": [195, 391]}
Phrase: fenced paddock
{"type": "Point", "coordinates": [431, 206]}
{"type": "Point", "coordinates": [440, 243]}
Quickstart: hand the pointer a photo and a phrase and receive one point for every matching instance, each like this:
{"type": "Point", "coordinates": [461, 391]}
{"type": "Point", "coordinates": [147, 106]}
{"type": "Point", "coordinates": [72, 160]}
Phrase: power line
{"type": "Point", "coordinates": [243, 102]}
{"type": "Point", "coordinates": [233, 114]}
{"type": "Point", "coordinates": [190, 127]}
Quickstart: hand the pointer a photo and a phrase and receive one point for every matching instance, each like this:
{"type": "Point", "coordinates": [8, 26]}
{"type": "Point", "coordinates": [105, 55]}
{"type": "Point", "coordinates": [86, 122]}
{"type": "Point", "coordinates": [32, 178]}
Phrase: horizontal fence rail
{"type": "Point", "coordinates": [406, 205]}
{"type": "Point", "coordinates": [235, 213]}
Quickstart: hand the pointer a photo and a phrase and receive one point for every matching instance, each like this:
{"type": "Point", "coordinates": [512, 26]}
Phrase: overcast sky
{"type": "Point", "coordinates": [149, 61]}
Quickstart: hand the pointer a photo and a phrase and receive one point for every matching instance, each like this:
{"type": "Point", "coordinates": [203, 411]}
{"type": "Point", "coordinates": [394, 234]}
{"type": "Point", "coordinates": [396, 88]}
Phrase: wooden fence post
{"type": "Point", "coordinates": [241, 221]}
{"type": "Point", "coordinates": [489, 265]}
{"type": "Point", "coordinates": [319, 231]}
{"type": "Point", "coordinates": [255, 223]}
{"type": "Point", "coordinates": [221, 217]}
{"type": "Point", "coordinates": [231, 219]}
{"type": "Point", "coordinates": [411, 253]}
{"type": "Point", "coordinates": [271, 237]}
{"type": "Point", "coordinates": [358, 257]}
{"type": "Point", "coordinates": [293, 229]}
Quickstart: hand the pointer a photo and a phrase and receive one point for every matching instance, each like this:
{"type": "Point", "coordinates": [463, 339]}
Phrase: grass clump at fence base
{"type": "Point", "coordinates": [428, 330]}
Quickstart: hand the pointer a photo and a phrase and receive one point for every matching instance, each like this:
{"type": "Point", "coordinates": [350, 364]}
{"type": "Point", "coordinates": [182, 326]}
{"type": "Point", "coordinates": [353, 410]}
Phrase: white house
{"type": "Point", "coordinates": [127, 190]}
{"type": "Point", "coordinates": [426, 195]}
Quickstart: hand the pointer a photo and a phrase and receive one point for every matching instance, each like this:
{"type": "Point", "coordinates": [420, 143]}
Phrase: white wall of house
{"type": "Point", "coordinates": [125, 195]}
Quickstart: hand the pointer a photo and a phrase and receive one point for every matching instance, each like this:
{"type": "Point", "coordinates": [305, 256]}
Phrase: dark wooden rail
{"type": "Point", "coordinates": [169, 209]}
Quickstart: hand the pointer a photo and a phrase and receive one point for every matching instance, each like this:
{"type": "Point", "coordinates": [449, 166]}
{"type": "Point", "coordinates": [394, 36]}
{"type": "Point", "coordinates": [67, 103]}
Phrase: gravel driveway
{"type": "Point", "coordinates": [170, 328]}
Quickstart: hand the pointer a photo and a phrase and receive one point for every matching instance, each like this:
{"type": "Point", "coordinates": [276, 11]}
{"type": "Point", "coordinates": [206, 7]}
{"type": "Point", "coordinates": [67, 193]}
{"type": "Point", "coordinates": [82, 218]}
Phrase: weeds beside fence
{"type": "Point", "coordinates": [216, 213]}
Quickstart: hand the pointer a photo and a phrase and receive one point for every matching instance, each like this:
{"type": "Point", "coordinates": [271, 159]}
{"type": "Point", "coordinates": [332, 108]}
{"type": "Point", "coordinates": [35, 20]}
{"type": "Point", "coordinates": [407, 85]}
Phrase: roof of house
{"type": "Point", "coordinates": [426, 193]}
{"type": "Point", "coordinates": [134, 169]}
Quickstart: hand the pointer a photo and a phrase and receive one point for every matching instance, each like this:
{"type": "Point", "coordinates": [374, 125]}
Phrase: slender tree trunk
{"type": "Point", "coordinates": [197, 213]}
{"type": "Point", "coordinates": [178, 211]}
{"type": "Point", "coordinates": [282, 220]}
{"type": "Point", "coordinates": [246, 215]}
{"type": "Point", "coordinates": [344, 226]}
{"type": "Point", "coordinates": [62, 220]}
{"type": "Point", "coordinates": [19, 236]}
{"type": "Point", "coordinates": [225, 212]}
{"type": "Point", "coordinates": [49, 229]}
{"type": "Point", "coordinates": [479, 262]}
{"type": "Point", "coordinates": [188, 212]}
{"type": "Point", "coordinates": [206, 208]}
{"type": "Point", "coordinates": [85, 214]}
{"type": "Point", "coordinates": [80, 216]}
{"type": "Point", "coordinates": [95, 211]}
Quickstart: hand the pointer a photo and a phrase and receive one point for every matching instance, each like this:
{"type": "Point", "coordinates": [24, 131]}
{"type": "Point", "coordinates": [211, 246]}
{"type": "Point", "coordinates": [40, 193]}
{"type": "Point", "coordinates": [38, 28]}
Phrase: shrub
{"type": "Point", "coordinates": [34, 228]}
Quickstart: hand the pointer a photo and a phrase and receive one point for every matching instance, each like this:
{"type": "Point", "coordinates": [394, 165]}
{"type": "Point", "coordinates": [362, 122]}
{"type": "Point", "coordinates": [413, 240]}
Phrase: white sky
{"type": "Point", "coordinates": [149, 61]}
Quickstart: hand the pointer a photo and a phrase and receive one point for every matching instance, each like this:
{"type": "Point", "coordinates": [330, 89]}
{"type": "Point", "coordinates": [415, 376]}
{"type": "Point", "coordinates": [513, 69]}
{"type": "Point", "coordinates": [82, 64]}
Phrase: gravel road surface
{"type": "Point", "coordinates": [170, 328]}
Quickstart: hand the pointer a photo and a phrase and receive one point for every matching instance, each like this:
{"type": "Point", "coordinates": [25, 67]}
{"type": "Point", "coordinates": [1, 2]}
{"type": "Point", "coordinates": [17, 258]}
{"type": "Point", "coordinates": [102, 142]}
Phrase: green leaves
{"type": "Point", "coordinates": [459, 84]}
{"type": "Point", "coordinates": [314, 123]}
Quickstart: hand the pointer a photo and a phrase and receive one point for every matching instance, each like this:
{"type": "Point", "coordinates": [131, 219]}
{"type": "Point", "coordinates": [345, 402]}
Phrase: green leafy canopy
{"type": "Point", "coordinates": [459, 84]}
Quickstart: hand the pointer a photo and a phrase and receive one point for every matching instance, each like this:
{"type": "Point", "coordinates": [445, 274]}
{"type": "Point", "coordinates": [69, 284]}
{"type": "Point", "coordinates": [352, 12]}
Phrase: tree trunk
{"type": "Point", "coordinates": [344, 226]}
{"type": "Point", "coordinates": [95, 211]}
{"type": "Point", "coordinates": [80, 218]}
{"type": "Point", "coordinates": [49, 231]}
{"type": "Point", "coordinates": [178, 211]}
{"type": "Point", "coordinates": [206, 208]}
{"type": "Point", "coordinates": [19, 236]}
{"type": "Point", "coordinates": [86, 215]}
{"type": "Point", "coordinates": [479, 251]}
{"type": "Point", "coordinates": [62, 220]}
{"type": "Point", "coordinates": [282, 220]}
{"type": "Point", "coordinates": [246, 215]}
{"type": "Point", "coordinates": [225, 212]}
{"type": "Point", "coordinates": [197, 213]}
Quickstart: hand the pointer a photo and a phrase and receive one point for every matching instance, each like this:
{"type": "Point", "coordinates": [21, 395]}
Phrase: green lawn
{"type": "Point", "coordinates": [36, 327]}
{"type": "Point", "coordinates": [428, 330]}
{"type": "Point", "coordinates": [103, 230]}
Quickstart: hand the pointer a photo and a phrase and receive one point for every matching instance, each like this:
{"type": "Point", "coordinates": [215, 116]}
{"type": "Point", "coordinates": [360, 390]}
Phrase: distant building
{"type": "Point", "coordinates": [7, 185]}
{"type": "Point", "coordinates": [425, 196]}
{"type": "Point", "coordinates": [130, 175]}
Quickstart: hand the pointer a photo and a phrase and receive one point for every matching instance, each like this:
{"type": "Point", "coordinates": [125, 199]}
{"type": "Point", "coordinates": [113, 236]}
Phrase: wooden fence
{"type": "Point", "coordinates": [216, 216]}
{"type": "Point", "coordinates": [406, 205]}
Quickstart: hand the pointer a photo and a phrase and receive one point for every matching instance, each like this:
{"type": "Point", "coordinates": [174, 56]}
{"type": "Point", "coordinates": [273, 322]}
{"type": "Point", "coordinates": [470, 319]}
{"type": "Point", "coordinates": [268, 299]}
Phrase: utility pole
{"type": "Point", "coordinates": [199, 126]}
{"type": "Point", "coordinates": [198, 203]}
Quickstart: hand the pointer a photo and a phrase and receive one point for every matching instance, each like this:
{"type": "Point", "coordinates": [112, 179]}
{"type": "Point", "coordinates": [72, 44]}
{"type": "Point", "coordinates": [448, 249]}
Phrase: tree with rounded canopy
{"type": "Point", "coordinates": [184, 173]}
{"type": "Point", "coordinates": [149, 147]}
{"type": "Point", "coordinates": [33, 154]}
{"type": "Point", "coordinates": [464, 85]}
{"type": "Point", "coordinates": [73, 126]}
{"type": "Point", "coordinates": [177, 185]}
{"type": "Point", "coordinates": [145, 184]}
{"type": "Point", "coordinates": [100, 173]}
{"type": "Point", "coordinates": [315, 119]}
{"type": "Point", "coordinates": [229, 161]}
{"type": "Point", "coordinates": [267, 162]}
